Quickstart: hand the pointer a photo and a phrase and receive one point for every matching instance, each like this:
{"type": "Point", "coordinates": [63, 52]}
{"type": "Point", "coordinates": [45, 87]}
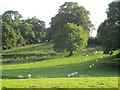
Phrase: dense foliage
{"type": "Point", "coordinates": [70, 12]}
{"type": "Point", "coordinates": [70, 38]}
{"type": "Point", "coordinates": [109, 30]}
{"type": "Point", "coordinates": [17, 31]}
{"type": "Point", "coordinates": [9, 37]}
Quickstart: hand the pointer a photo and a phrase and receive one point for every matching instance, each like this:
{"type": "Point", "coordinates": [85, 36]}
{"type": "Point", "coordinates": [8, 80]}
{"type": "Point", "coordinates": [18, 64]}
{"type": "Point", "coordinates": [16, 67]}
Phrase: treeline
{"type": "Point", "coordinates": [19, 31]}
{"type": "Point", "coordinates": [108, 33]}
{"type": "Point", "coordinates": [69, 29]}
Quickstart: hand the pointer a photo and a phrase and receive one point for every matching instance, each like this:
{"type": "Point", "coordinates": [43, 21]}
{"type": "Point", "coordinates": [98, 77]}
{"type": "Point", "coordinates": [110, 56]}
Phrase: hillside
{"type": "Point", "coordinates": [92, 64]}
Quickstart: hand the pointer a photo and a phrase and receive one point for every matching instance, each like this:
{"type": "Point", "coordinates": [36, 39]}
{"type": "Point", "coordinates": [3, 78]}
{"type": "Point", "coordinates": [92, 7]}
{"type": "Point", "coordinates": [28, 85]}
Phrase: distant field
{"type": "Point", "coordinates": [93, 69]}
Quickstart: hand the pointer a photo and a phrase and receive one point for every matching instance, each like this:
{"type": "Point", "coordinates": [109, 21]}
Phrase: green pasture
{"type": "Point", "coordinates": [31, 49]}
{"type": "Point", "coordinates": [54, 72]}
{"type": "Point", "coordinates": [61, 67]}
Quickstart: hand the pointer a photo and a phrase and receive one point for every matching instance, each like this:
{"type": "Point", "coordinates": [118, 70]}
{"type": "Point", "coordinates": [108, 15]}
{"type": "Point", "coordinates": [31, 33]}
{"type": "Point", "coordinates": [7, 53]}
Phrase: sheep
{"type": "Point", "coordinates": [90, 66]}
{"type": "Point", "coordinates": [75, 72]}
{"type": "Point", "coordinates": [93, 64]}
{"type": "Point", "coordinates": [96, 60]}
{"type": "Point", "coordinates": [29, 75]}
{"type": "Point", "coordinates": [68, 75]}
{"type": "Point", "coordinates": [72, 74]}
{"type": "Point", "coordinates": [19, 76]}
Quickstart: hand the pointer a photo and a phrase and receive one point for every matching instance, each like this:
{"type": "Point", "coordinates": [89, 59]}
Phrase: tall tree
{"type": "Point", "coordinates": [27, 32]}
{"type": "Point", "coordinates": [70, 12]}
{"type": "Point", "coordinates": [9, 37]}
{"type": "Point", "coordinates": [12, 18]}
{"type": "Point", "coordinates": [0, 34]}
{"type": "Point", "coordinates": [38, 28]}
{"type": "Point", "coordinates": [108, 31]}
{"type": "Point", "coordinates": [70, 39]}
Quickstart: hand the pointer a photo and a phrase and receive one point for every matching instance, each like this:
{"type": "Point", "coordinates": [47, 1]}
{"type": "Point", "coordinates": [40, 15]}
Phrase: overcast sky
{"type": "Point", "coordinates": [46, 9]}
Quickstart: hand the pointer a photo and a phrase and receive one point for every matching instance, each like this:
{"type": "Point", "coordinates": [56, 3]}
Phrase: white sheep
{"type": "Point", "coordinates": [29, 75]}
{"type": "Point", "coordinates": [72, 74]}
{"type": "Point", "coordinates": [75, 72]}
{"type": "Point", "coordinates": [90, 66]}
{"type": "Point", "coordinates": [96, 60]}
{"type": "Point", "coordinates": [20, 76]}
{"type": "Point", "coordinates": [68, 75]}
{"type": "Point", "coordinates": [93, 64]}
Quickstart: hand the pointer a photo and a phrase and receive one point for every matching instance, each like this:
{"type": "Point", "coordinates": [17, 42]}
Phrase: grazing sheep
{"type": "Point", "coordinates": [96, 52]}
{"type": "Point", "coordinates": [19, 76]}
{"type": "Point", "coordinates": [68, 75]}
{"type": "Point", "coordinates": [75, 72]}
{"type": "Point", "coordinates": [90, 66]}
{"type": "Point", "coordinates": [72, 74]}
{"type": "Point", "coordinates": [29, 75]}
{"type": "Point", "coordinates": [93, 64]}
{"type": "Point", "coordinates": [96, 60]}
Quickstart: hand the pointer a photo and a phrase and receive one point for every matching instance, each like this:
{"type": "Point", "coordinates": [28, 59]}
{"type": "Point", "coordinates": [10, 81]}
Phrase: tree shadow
{"type": "Point", "coordinates": [31, 48]}
{"type": "Point", "coordinates": [100, 69]}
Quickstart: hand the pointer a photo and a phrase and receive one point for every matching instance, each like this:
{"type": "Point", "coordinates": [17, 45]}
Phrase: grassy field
{"type": "Point", "coordinates": [92, 69]}
{"type": "Point", "coordinates": [31, 49]}
{"type": "Point", "coordinates": [96, 82]}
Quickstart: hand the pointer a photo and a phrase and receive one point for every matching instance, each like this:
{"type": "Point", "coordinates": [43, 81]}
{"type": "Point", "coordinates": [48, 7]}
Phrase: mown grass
{"type": "Point", "coordinates": [95, 82]}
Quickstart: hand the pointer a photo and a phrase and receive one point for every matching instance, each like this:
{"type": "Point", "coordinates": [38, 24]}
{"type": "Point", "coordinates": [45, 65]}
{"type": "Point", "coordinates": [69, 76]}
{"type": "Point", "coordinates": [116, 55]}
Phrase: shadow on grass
{"type": "Point", "coordinates": [100, 69]}
{"type": "Point", "coordinates": [31, 48]}
{"type": "Point", "coordinates": [25, 58]}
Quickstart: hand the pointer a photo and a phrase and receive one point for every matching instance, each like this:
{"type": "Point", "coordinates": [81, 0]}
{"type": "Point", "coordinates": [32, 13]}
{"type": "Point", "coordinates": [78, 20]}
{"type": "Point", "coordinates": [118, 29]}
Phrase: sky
{"type": "Point", "coordinates": [46, 9]}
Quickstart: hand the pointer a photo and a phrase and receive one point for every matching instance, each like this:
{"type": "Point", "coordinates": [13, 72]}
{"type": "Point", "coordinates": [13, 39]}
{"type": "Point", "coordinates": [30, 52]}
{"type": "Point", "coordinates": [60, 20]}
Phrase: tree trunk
{"type": "Point", "coordinates": [71, 53]}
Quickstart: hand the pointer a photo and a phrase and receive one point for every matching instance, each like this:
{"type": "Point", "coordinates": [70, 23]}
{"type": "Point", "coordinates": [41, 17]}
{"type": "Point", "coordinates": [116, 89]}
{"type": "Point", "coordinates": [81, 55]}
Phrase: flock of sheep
{"type": "Point", "coordinates": [90, 66]}
{"type": "Point", "coordinates": [71, 74]}
{"type": "Point", "coordinates": [20, 76]}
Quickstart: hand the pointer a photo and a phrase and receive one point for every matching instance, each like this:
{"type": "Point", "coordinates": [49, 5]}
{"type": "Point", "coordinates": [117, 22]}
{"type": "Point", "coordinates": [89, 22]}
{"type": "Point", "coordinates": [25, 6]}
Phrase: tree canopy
{"type": "Point", "coordinates": [108, 31]}
{"type": "Point", "coordinates": [9, 37]}
{"type": "Point", "coordinates": [31, 30]}
{"type": "Point", "coordinates": [70, 12]}
{"type": "Point", "coordinates": [70, 38]}
{"type": "Point", "coordinates": [38, 28]}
